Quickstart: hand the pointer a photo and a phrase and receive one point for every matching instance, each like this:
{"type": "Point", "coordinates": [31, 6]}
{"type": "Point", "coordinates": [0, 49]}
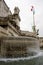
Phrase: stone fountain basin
{"type": "Point", "coordinates": [15, 47]}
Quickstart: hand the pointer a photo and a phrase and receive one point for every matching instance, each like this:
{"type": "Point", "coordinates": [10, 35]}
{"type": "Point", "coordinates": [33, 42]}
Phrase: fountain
{"type": "Point", "coordinates": [19, 50]}
{"type": "Point", "coordinates": [17, 47]}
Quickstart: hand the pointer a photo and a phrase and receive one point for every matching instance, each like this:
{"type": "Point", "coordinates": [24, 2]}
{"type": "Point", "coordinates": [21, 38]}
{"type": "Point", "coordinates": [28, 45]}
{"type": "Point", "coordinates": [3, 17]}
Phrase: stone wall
{"type": "Point", "coordinates": [4, 10]}
{"type": "Point", "coordinates": [41, 41]}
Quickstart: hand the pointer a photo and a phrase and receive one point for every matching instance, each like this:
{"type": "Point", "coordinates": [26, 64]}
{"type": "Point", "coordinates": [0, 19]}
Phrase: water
{"type": "Point", "coordinates": [30, 45]}
{"type": "Point", "coordinates": [31, 60]}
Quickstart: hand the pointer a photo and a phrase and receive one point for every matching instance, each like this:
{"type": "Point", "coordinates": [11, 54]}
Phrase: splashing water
{"type": "Point", "coordinates": [22, 58]}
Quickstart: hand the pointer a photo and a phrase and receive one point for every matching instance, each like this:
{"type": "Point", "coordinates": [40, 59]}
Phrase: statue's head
{"type": "Point", "coordinates": [16, 10]}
